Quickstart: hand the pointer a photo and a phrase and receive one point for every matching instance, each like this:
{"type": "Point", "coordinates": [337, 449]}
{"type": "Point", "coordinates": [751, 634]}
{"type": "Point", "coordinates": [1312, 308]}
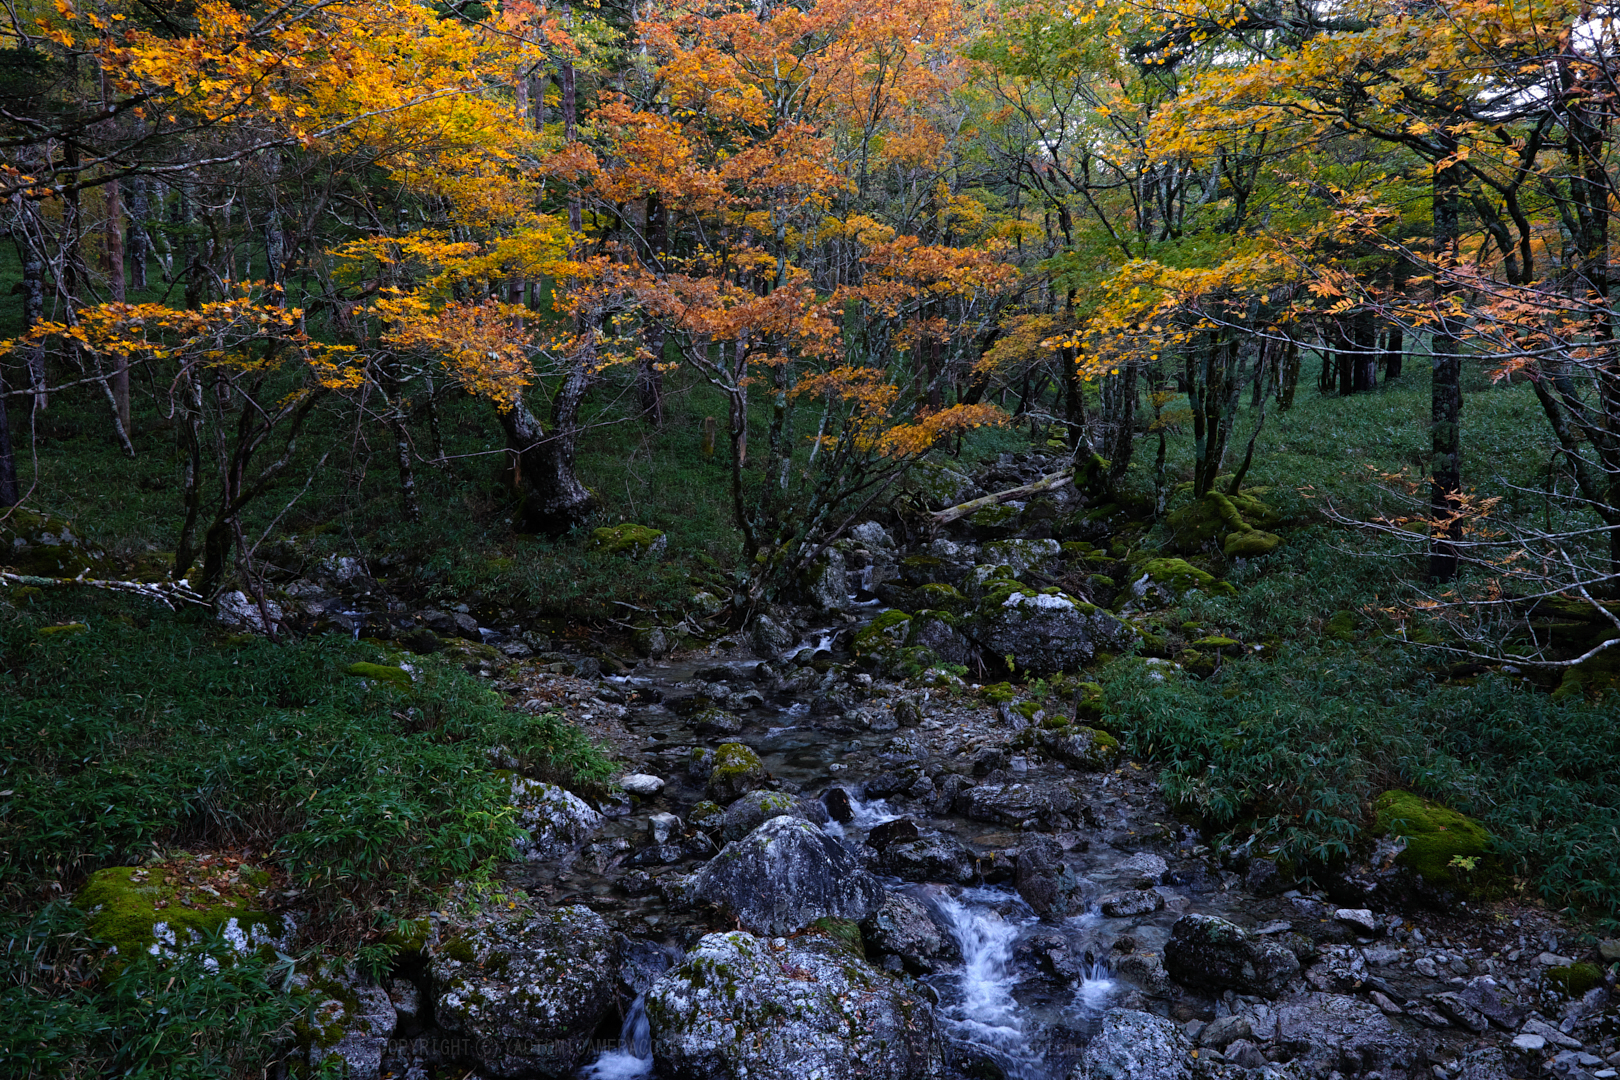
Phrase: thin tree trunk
{"type": "Point", "coordinates": [33, 315]}
{"type": "Point", "coordinates": [1445, 406]}
{"type": "Point", "coordinates": [114, 251]}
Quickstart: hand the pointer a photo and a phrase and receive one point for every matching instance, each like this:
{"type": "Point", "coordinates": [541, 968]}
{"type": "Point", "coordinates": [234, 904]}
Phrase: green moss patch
{"type": "Point", "coordinates": [1181, 576]}
{"type": "Point", "coordinates": [1576, 979]}
{"type": "Point", "coordinates": [1236, 522]}
{"type": "Point", "coordinates": [629, 539]}
{"type": "Point", "coordinates": [192, 897]}
{"type": "Point", "coordinates": [1445, 848]}
{"type": "Point", "coordinates": [394, 676]}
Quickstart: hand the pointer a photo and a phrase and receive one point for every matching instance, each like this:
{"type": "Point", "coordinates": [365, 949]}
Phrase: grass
{"type": "Point", "coordinates": [154, 730]}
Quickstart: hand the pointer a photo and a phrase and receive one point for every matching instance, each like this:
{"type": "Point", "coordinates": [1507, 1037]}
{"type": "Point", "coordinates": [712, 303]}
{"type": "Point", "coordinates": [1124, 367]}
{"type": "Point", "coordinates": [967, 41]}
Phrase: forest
{"type": "Point", "coordinates": [386, 386]}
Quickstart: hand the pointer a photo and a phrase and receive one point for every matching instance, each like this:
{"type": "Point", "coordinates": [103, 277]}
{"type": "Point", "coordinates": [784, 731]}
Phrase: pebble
{"type": "Point", "coordinates": [1554, 960]}
{"type": "Point", "coordinates": [1529, 1043]}
{"type": "Point", "coordinates": [1426, 967]}
{"type": "Point", "coordinates": [1533, 1026]}
{"type": "Point", "coordinates": [1361, 918]}
{"type": "Point", "coordinates": [662, 826]}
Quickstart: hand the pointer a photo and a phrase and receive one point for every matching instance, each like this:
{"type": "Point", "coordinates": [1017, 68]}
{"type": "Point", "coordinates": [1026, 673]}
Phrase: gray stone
{"type": "Point", "coordinates": [1046, 884]}
{"type": "Point", "coordinates": [1529, 1043]}
{"type": "Point", "coordinates": [871, 535]}
{"type": "Point", "coordinates": [1046, 634]}
{"type": "Point", "coordinates": [931, 857]}
{"type": "Point", "coordinates": [1225, 1029]}
{"type": "Point", "coordinates": [1537, 1026]}
{"type": "Point", "coordinates": [1485, 997]}
{"type": "Point", "coordinates": [1609, 950]}
{"type": "Point", "coordinates": [1245, 1055]}
{"type": "Point", "coordinates": [1144, 870]}
{"type": "Point", "coordinates": [1126, 905]}
{"type": "Point", "coordinates": [662, 827]}
{"type": "Point", "coordinates": [1361, 919]}
{"type": "Point", "coordinates": [527, 987]}
{"type": "Point", "coordinates": [755, 809]}
{"type": "Point", "coordinates": [1017, 803]}
{"type": "Point", "coordinates": [1264, 879]}
{"type": "Point", "coordinates": [771, 639]}
{"type": "Point", "coordinates": [362, 1018]}
{"type": "Point", "coordinates": [642, 784]}
{"type": "Point", "coordinates": [1212, 953]}
{"type": "Point", "coordinates": [784, 876]}
{"type": "Point", "coordinates": [1079, 749]}
{"type": "Point", "coordinates": [739, 1007]}
{"type": "Point", "coordinates": [557, 821]}
{"type": "Point", "coordinates": [1460, 1012]}
{"type": "Point", "coordinates": [902, 927]}
{"type": "Point", "coordinates": [1135, 1045]}
{"type": "Point", "coordinates": [827, 582]}
{"type": "Point", "coordinates": [1327, 1032]}
{"type": "Point", "coordinates": [1486, 1064]}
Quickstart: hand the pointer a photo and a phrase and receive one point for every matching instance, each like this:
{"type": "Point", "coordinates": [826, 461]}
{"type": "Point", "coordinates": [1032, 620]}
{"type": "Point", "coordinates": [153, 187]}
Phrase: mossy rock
{"type": "Point", "coordinates": [886, 632]}
{"type": "Point", "coordinates": [1181, 577]}
{"type": "Point", "coordinates": [1250, 544]}
{"type": "Point", "coordinates": [737, 771]}
{"type": "Point", "coordinates": [995, 522]}
{"type": "Point", "coordinates": [1216, 643]}
{"type": "Point", "coordinates": [629, 539]}
{"type": "Point", "coordinates": [45, 546]}
{"type": "Point", "coordinates": [1448, 850]}
{"type": "Point", "coordinates": [1090, 702]}
{"type": "Point", "coordinates": [999, 693]}
{"type": "Point", "coordinates": [65, 630]}
{"type": "Point", "coordinates": [1196, 662]}
{"type": "Point", "coordinates": [136, 908]}
{"type": "Point", "coordinates": [1576, 979]}
{"type": "Point", "coordinates": [393, 676]}
{"type": "Point", "coordinates": [706, 815]}
{"type": "Point", "coordinates": [1232, 519]}
{"type": "Point", "coordinates": [920, 569]}
{"type": "Point", "coordinates": [938, 596]}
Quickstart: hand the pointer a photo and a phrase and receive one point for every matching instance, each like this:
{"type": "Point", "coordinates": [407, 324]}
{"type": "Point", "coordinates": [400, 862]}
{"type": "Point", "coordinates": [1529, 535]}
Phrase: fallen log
{"type": "Point", "coordinates": [1050, 482]}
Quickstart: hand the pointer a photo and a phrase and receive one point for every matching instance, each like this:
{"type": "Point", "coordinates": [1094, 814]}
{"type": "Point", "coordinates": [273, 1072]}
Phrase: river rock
{"type": "Point", "coordinates": [1491, 1001]}
{"type": "Point", "coordinates": [1214, 954]}
{"type": "Point", "coordinates": [1224, 1030]}
{"type": "Point", "coordinates": [527, 987]}
{"type": "Point", "coordinates": [1143, 870]}
{"type": "Point", "coordinates": [947, 642]}
{"type": "Point", "coordinates": [771, 638]}
{"type": "Point", "coordinates": [1017, 803]}
{"type": "Point", "coordinates": [1135, 1045]}
{"type": "Point", "coordinates": [784, 876]}
{"type": "Point", "coordinates": [903, 927]}
{"type": "Point", "coordinates": [557, 821]}
{"type": "Point", "coordinates": [826, 582]}
{"type": "Point", "coordinates": [644, 785]}
{"type": "Point", "coordinates": [1327, 1032]}
{"type": "Point", "coordinates": [931, 856]}
{"type": "Point", "coordinates": [737, 770]}
{"type": "Point", "coordinates": [1132, 903]}
{"type": "Point", "coordinates": [1046, 884]}
{"type": "Point", "coordinates": [1046, 634]}
{"type": "Point", "coordinates": [755, 809]}
{"type": "Point", "coordinates": [1082, 748]}
{"type": "Point", "coordinates": [738, 1007]}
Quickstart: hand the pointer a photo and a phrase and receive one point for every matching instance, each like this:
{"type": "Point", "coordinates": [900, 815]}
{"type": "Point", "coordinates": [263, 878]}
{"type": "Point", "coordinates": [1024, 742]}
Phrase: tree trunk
{"type": "Point", "coordinates": [553, 501]}
{"type": "Point", "coordinates": [1445, 405]}
{"type": "Point", "coordinates": [137, 244]}
{"type": "Point", "coordinates": [113, 238]}
{"type": "Point", "coordinates": [9, 493]}
{"type": "Point", "coordinates": [33, 315]}
{"type": "Point", "coordinates": [1394, 353]}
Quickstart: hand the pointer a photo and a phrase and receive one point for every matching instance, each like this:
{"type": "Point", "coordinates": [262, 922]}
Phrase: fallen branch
{"type": "Point", "coordinates": [961, 510]}
{"type": "Point", "coordinates": [164, 592]}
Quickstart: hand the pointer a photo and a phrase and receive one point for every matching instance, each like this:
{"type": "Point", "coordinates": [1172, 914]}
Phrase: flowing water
{"type": "Point", "coordinates": [1005, 1010]}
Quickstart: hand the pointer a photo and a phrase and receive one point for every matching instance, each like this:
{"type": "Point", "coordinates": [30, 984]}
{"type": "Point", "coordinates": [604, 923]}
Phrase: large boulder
{"type": "Point", "coordinates": [348, 1026]}
{"type": "Point", "coordinates": [737, 771]}
{"type": "Point", "coordinates": [932, 856]}
{"type": "Point", "coordinates": [1048, 886]}
{"type": "Point", "coordinates": [1214, 954]}
{"type": "Point", "coordinates": [826, 582]}
{"type": "Point", "coordinates": [557, 821]}
{"type": "Point", "coordinates": [739, 1008]}
{"type": "Point", "coordinates": [1045, 633]}
{"type": "Point", "coordinates": [526, 987]}
{"type": "Point", "coordinates": [784, 876]}
{"type": "Point", "coordinates": [1332, 1032]}
{"type": "Point", "coordinates": [1135, 1046]}
{"type": "Point", "coordinates": [755, 809]}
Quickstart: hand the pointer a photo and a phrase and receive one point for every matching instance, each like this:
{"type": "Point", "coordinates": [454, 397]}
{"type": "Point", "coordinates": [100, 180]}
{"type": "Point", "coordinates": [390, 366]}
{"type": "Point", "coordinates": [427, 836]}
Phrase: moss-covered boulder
{"type": "Point", "coordinates": [629, 539]}
{"type": "Point", "coordinates": [1576, 979]}
{"type": "Point", "coordinates": [995, 522]}
{"type": "Point", "coordinates": [1236, 524]}
{"type": "Point", "coordinates": [739, 1006]}
{"type": "Point", "coordinates": [737, 771]}
{"type": "Point", "coordinates": [1168, 580]}
{"type": "Point", "coordinates": [882, 635]}
{"type": "Point", "coordinates": [784, 875]}
{"type": "Point", "coordinates": [1448, 850]}
{"type": "Point", "coordinates": [1021, 556]}
{"type": "Point", "coordinates": [46, 546]}
{"type": "Point", "coordinates": [938, 596]}
{"type": "Point", "coordinates": [937, 633]}
{"type": "Point", "coordinates": [1079, 747]}
{"type": "Point", "coordinates": [181, 903]}
{"type": "Point", "coordinates": [1592, 679]}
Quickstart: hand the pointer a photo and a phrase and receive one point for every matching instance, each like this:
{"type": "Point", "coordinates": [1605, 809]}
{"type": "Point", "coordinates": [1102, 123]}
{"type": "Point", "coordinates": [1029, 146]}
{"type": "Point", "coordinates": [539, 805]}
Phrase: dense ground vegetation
{"type": "Point", "coordinates": [444, 288]}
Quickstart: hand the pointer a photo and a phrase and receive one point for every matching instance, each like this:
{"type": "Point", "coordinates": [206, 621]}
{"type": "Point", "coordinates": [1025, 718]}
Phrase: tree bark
{"type": "Point", "coordinates": [1445, 404]}
{"type": "Point", "coordinates": [552, 501]}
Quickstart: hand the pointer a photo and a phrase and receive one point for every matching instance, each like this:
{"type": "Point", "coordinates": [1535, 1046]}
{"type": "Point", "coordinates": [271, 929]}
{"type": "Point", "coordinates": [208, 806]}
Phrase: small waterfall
{"type": "Point", "coordinates": [865, 815]}
{"type": "Point", "coordinates": [633, 1058]}
{"type": "Point", "coordinates": [981, 1012]}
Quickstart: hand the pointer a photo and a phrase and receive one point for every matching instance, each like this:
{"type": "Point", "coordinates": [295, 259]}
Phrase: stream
{"type": "Point", "coordinates": [1008, 1008]}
